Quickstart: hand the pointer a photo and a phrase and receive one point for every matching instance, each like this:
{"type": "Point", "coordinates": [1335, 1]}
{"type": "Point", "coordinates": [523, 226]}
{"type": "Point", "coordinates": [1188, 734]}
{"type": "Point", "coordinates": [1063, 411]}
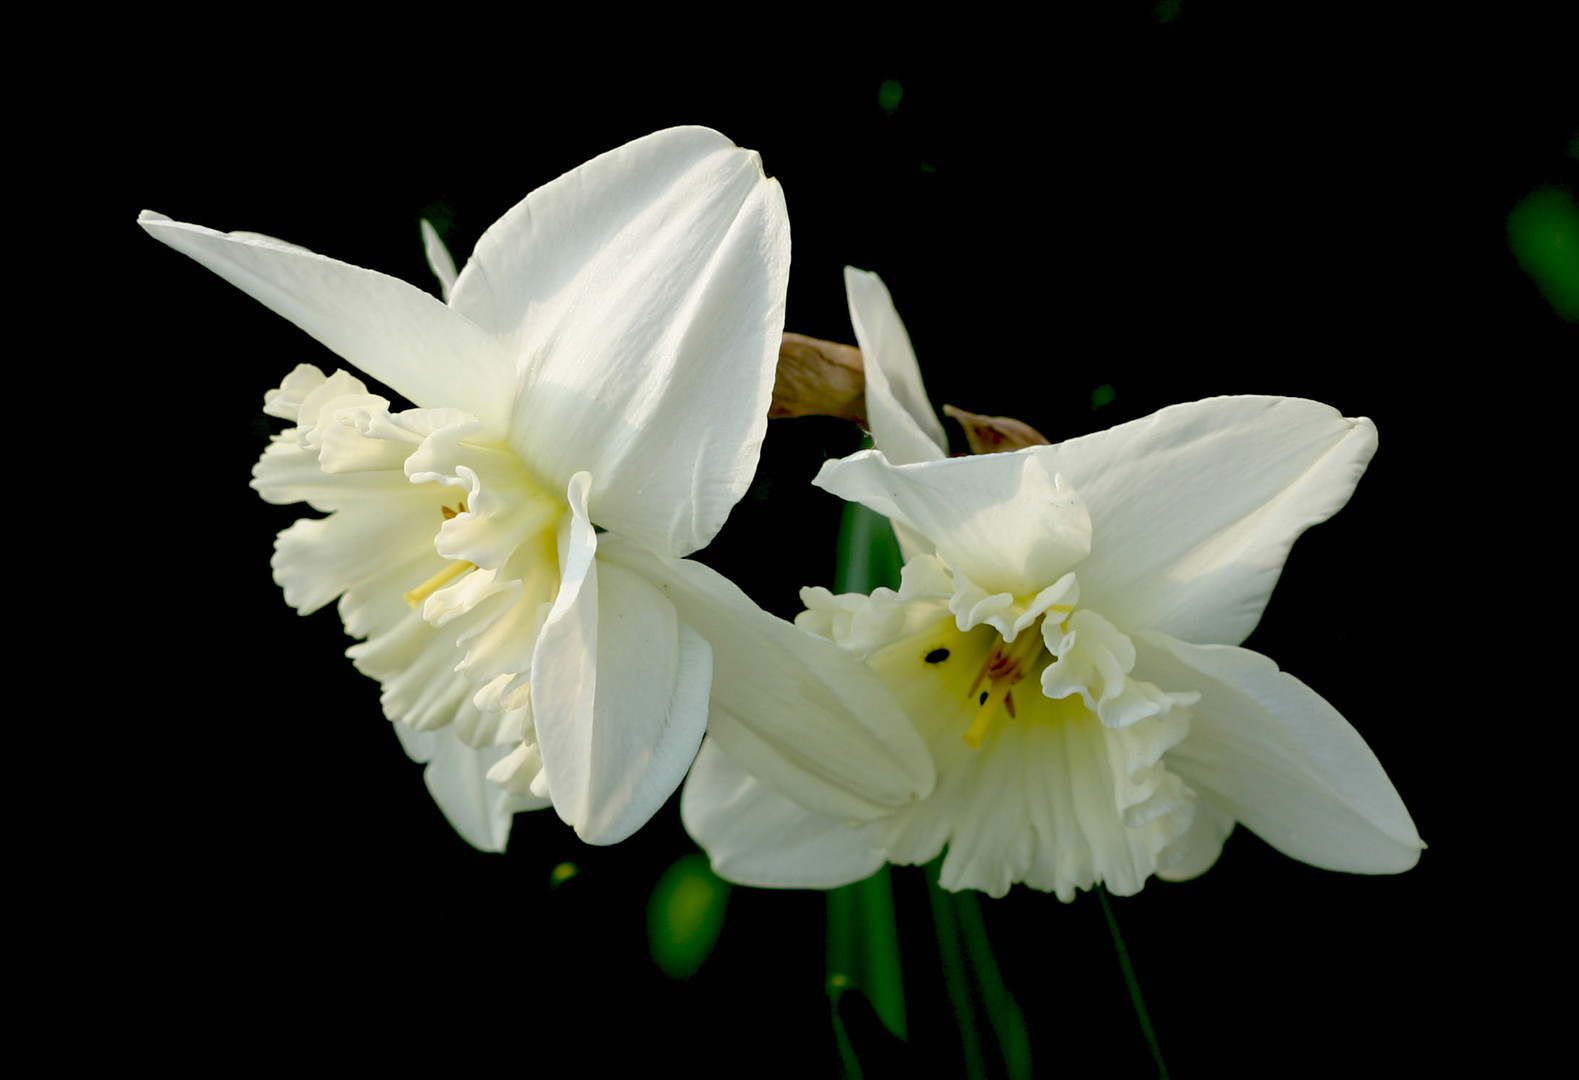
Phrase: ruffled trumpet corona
{"type": "Point", "coordinates": [1065, 639]}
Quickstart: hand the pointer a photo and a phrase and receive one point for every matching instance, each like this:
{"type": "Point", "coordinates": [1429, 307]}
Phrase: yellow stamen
{"type": "Point", "coordinates": [454, 570]}
{"type": "Point", "coordinates": [1005, 666]}
{"type": "Point", "coordinates": [989, 708]}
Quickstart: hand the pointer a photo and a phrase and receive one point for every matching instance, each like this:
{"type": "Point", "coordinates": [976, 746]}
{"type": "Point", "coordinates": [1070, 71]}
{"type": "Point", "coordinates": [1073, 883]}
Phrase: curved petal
{"type": "Point", "coordinates": [1201, 844]}
{"type": "Point", "coordinates": [457, 778]}
{"type": "Point", "coordinates": [389, 329]}
{"type": "Point", "coordinates": [619, 691]}
{"type": "Point", "coordinates": [643, 296]}
{"type": "Point", "coordinates": [1269, 750]}
{"type": "Point", "coordinates": [414, 664]}
{"type": "Point", "coordinates": [1005, 521]}
{"type": "Point", "coordinates": [317, 559]}
{"type": "Point", "coordinates": [901, 419]}
{"type": "Point", "coordinates": [792, 709]}
{"type": "Point", "coordinates": [755, 836]}
{"type": "Point", "coordinates": [1194, 508]}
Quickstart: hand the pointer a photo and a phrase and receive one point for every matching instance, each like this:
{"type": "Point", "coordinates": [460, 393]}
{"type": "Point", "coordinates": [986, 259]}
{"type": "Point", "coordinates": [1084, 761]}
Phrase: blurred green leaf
{"type": "Point", "coordinates": [684, 916]}
{"type": "Point", "coordinates": [1543, 231]}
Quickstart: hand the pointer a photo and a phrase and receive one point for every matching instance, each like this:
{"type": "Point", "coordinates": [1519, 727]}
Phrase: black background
{"type": "Point", "coordinates": [1250, 198]}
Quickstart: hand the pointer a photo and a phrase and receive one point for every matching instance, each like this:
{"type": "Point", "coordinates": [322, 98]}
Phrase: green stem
{"type": "Point", "coordinates": [850, 1064]}
{"type": "Point", "coordinates": [1003, 1012]}
{"type": "Point", "coordinates": [863, 947]}
{"type": "Point", "coordinates": [1134, 985]}
{"type": "Point", "coordinates": [970, 973]}
{"type": "Point", "coordinates": [863, 936]}
{"type": "Point", "coordinates": [868, 553]}
{"type": "Point", "coordinates": [955, 978]}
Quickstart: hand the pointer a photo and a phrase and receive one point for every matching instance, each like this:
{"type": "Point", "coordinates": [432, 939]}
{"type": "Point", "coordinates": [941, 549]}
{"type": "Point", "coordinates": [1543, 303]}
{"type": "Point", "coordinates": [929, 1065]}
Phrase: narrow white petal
{"type": "Point", "coordinates": [1269, 750]}
{"type": "Point", "coordinates": [1194, 508]}
{"type": "Point", "coordinates": [755, 836]}
{"type": "Point", "coordinates": [790, 708]}
{"type": "Point", "coordinates": [643, 295]}
{"type": "Point", "coordinates": [439, 260]}
{"type": "Point", "coordinates": [1005, 521]}
{"type": "Point", "coordinates": [387, 328]}
{"type": "Point", "coordinates": [619, 691]}
{"type": "Point", "coordinates": [900, 417]}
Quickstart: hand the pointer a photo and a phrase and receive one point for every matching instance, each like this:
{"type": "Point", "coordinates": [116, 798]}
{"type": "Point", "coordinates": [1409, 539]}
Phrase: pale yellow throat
{"type": "Point", "coordinates": [1006, 665]}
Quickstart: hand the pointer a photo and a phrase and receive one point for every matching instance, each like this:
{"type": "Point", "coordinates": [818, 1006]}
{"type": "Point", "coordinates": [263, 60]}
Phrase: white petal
{"type": "Point", "coordinates": [755, 836]}
{"type": "Point", "coordinates": [619, 691]}
{"type": "Point", "coordinates": [317, 559]}
{"type": "Point", "coordinates": [457, 778]}
{"type": "Point", "coordinates": [792, 709]}
{"type": "Point", "coordinates": [900, 417]}
{"type": "Point", "coordinates": [439, 260]}
{"type": "Point", "coordinates": [1266, 748]}
{"type": "Point", "coordinates": [505, 638]}
{"type": "Point", "coordinates": [389, 329]}
{"type": "Point", "coordinates": [1194, 508]}
{"type": "Point", "coordinates": [288, 473]}
{"type": "Point", "coordinates": [643, 294]}
{"type": "Point", "coordinates": [414, 664]}
{"type": "Point", "coordinates": [517, 772]}
{"type": "Point", "coordinates": [303, 381]}
{"type": "Point", "coordinates": [1199, 848]}
{"type": "Point", "coordinates": [1005, 521]}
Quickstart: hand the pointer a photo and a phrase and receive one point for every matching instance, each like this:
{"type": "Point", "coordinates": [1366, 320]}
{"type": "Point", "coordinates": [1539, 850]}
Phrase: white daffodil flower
{"type": "Point", "coordinates": [1068, 648]}
{"type": "Point", "coordinates": [590, 404]}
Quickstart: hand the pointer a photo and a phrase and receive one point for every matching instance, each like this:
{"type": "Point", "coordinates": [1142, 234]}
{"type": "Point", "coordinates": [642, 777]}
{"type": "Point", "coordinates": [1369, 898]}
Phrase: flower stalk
{"type": "Point", "coordinates": [1132, 984]}
{"type": "Point", "coordinates": [863, 937]}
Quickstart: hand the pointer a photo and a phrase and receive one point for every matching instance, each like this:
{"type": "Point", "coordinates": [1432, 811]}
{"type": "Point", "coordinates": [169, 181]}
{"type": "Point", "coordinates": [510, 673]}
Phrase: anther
{"type": "Point", "coordinates": [1005, 666]}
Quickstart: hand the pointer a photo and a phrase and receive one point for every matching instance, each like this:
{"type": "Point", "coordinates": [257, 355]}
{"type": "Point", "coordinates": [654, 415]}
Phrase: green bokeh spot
{"type": "Point", "coordinates": [1543, 232]}
{"type": "Point", "coordinates": [561, 874]}
{"type": "Point", "coordinates": [1102, 395]}
{"type": "Point", "coordinates": [684, 916]}
{"type": "Point", "coordinates": [1168, 10]}
{"type": "Point", "coordinates": [888, 95]}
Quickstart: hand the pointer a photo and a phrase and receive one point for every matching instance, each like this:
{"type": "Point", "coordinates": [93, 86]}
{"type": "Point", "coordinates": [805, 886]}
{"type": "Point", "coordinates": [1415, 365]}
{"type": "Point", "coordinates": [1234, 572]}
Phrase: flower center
{"type": "Point", "coordinates": [1007, 664]}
